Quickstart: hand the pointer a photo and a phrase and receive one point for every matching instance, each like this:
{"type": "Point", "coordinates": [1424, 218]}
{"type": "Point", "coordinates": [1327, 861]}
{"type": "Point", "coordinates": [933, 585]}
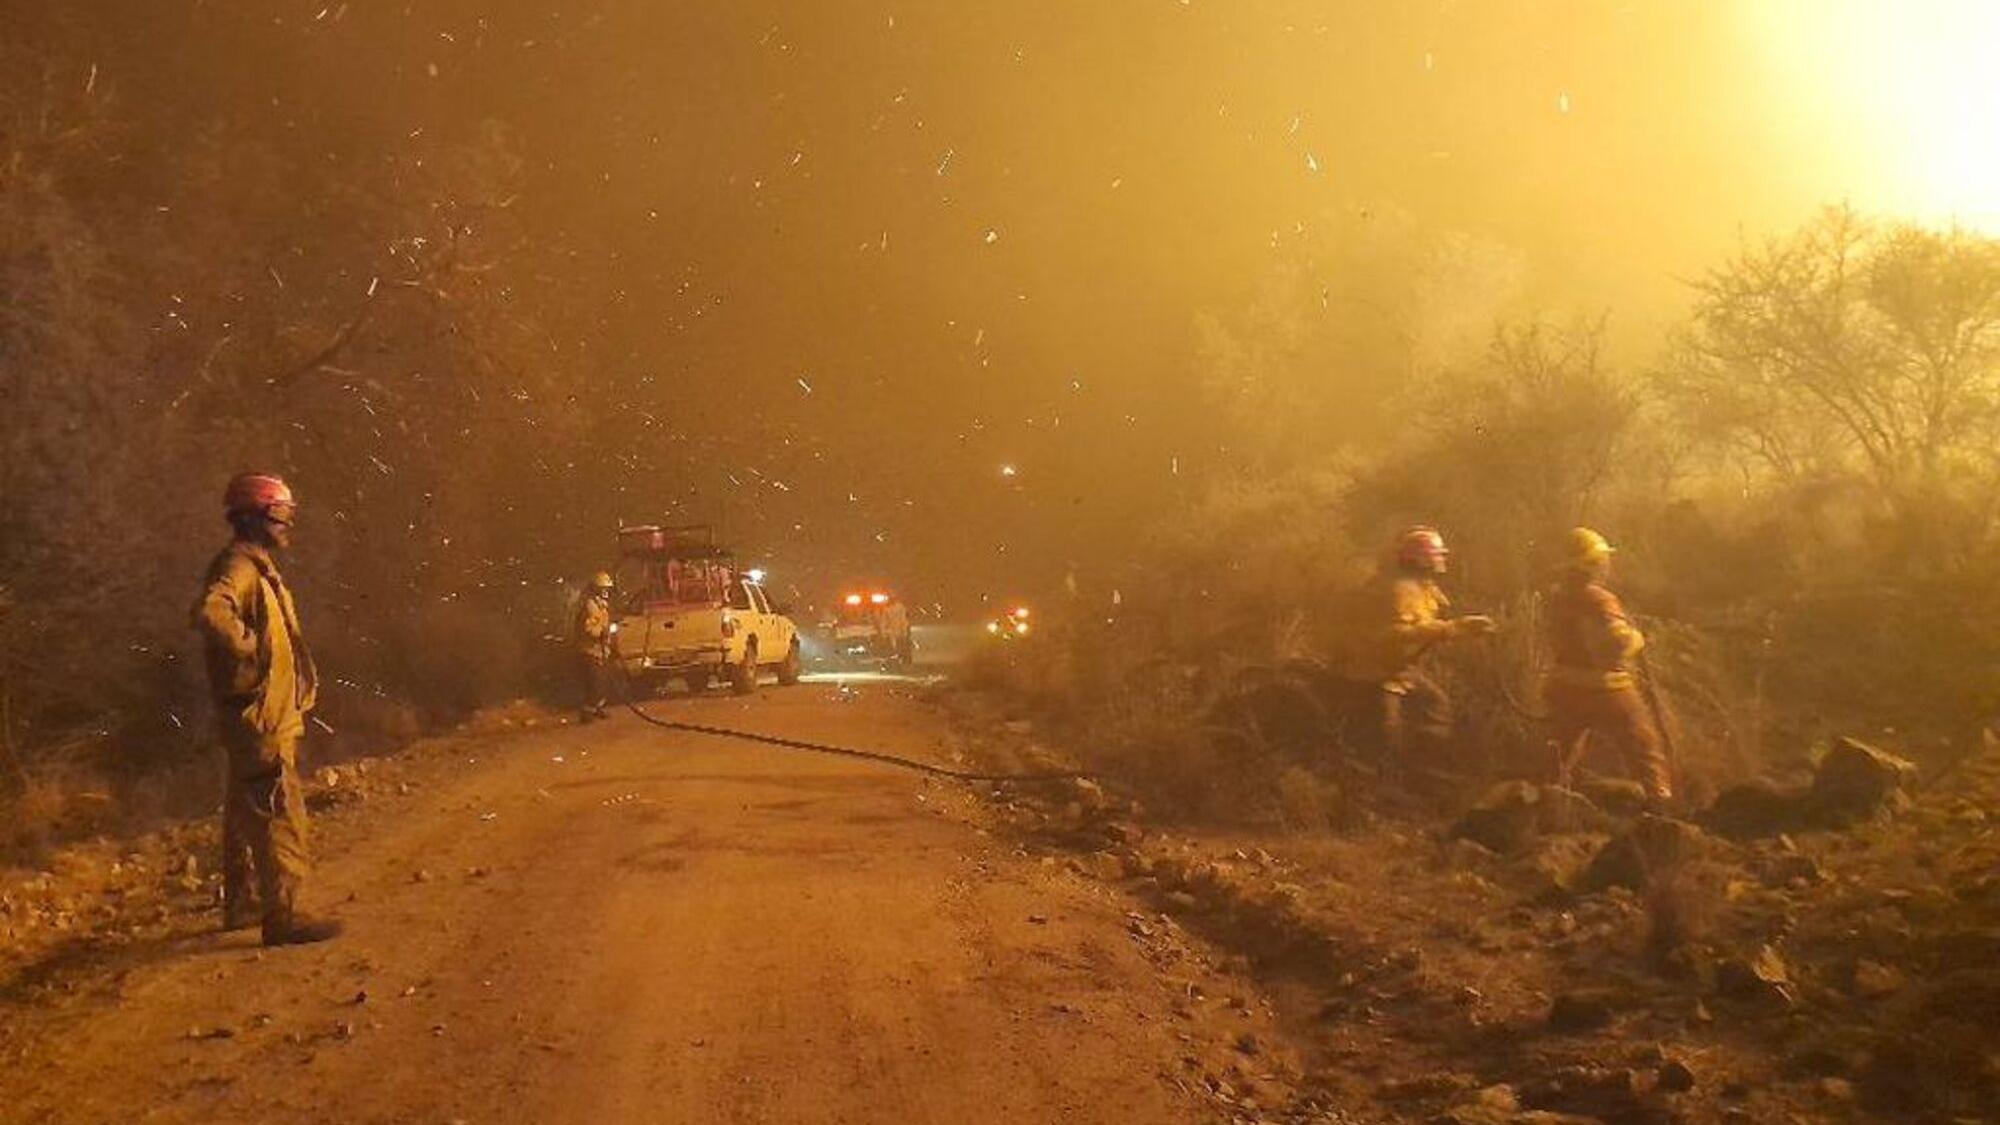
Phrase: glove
{"type": "Point", "coordinates": [1473, 625]}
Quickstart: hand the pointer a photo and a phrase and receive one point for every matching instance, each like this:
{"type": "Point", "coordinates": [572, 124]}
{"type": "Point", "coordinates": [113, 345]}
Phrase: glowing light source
{"type": "Point", "coordinates": [1914, 89]}
{"type": "Point", "coordinates": [755, 574]}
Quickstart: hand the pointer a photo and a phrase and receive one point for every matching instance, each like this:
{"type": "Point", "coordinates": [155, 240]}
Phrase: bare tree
{"type": "Point", "coordinates": [1850, 348]}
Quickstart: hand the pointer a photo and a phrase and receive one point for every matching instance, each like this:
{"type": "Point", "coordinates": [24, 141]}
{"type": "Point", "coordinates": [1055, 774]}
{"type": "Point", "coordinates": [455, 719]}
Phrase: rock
{"type": "Point", "coordinates": [1756, 810]}
{"type": "Point", "coordinates": [1654, 844]}
{"type": "Point", "coordinates": [1550, 872]}
{"type": "Point", "coordinates": [1789, 869]}
{"type": "Point", "coordinates": [1106, 866]}
{"type": "Point", "coordinates": [1504, 820]}
{"type": "Point", "coordinates": [1675, 1077]}
{"type": "Point", "coordinates": [1618, 796]}
{"type": "Point", "coordinates": [1762, 978]}
{"type": "Point", "coordinates": [1857, 782]}
{"type": "Point", "coordinates": [1612, 1093]}
{"type": "Point", "coordinates": [1088, 795]}
{"type": "Point", "coordinates": [1873, 979]}
{"type": "Point", "coordinates": [1248, 1044]}
{"type": "Point", "coordinates": [1582, 1010]}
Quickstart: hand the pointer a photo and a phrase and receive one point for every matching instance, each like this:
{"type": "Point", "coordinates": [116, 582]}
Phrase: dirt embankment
{"type": "Point", "coordinates": [1586, 962]}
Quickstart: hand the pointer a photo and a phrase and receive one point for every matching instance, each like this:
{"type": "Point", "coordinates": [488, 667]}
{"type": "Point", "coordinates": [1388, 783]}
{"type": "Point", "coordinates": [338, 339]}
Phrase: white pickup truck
{"type": "Point", "coordinates": [684, 611]}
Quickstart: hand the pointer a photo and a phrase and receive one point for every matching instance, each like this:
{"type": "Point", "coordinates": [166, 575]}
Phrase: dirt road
{"type": "Point", "coordinates": [622, 924]}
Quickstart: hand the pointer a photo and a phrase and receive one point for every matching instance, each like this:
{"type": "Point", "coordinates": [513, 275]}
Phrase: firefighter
{"type": "Point", "coordinates": [592, 633]}
{"type": "Point", "coordinates": [261, 676]}
{"type": "Point", "coordinates": [1402, 617]}
{"type": "Point", "coordinates": [1592, 692]}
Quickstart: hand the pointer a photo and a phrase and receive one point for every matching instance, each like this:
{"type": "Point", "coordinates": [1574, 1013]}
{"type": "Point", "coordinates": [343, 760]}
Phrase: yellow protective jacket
{"type": "Point", "coordinates": [259, 668]}
{"type": "Point", "coordinates": [1400, 617]}
{"type": "Point", "coordinates": [592, 628]}
{"type": "Point", "coordinates": [1592, 639]}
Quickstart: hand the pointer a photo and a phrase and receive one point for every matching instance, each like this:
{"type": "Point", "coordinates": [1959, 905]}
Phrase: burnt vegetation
{"type": "Point", "coordinates": [192, 283]}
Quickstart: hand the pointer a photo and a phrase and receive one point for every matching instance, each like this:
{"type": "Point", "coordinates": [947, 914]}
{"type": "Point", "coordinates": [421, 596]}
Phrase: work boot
{"type": "Point", "coordinates": [299, 929]}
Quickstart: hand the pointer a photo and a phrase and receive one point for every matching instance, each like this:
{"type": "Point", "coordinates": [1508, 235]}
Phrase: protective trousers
{"type": "Point", "coordinates": [263, 826]}
{"type": "Point", "coordinates": [594, 679]}
{"type": "Point", "coordinates": [1393, 722]}
{"type": "Point", "coordinates": [1615, 718]}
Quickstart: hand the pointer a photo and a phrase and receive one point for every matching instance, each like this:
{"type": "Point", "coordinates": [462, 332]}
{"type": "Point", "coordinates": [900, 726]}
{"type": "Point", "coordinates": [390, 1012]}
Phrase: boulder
{"type": "Point", "coordinates": [1505, 819]}
{"type": "Point", "coordinates": [1550, 872]}
{"type": "Point", "coordinates": [1757, 810]}
{"type": "Point", "coordinates": [1653, 845]}
{"type": "Point", "coordinates": [1761, 978]}
{"type": "Point", "coordinates": [1674, 1077]}
{"type": "Point", "coordinates": [1857, 782]}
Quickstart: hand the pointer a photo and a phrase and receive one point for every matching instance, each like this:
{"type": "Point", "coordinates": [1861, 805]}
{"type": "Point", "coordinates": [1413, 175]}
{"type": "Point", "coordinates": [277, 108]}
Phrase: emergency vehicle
{"type": "Point", "coordinates": [1010, 626]}
{"type": "Point", "coordinates": [683, 609]}
{"type": "Point", "coordinates": [871, 626]}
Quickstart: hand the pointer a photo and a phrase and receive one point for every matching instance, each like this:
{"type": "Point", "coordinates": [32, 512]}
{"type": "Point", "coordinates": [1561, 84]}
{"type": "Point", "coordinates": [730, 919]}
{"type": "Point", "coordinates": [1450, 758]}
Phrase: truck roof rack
{"type": "Point", "coordinates": [679, 541]}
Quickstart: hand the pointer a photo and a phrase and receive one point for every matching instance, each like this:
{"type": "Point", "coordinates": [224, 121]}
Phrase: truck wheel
{"type": "Point", "coordinates": [788, 672]}
{"type": "Point", "coordinates": [697, 682]}
{"type": "Point", "coordinates": [743, 675]}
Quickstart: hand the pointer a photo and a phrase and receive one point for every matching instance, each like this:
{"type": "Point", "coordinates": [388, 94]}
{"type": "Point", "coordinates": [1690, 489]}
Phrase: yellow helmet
{"type": "Point", "coordinates": [601, 581]}
{"type": "Point", "coordinates": [1584, 547]}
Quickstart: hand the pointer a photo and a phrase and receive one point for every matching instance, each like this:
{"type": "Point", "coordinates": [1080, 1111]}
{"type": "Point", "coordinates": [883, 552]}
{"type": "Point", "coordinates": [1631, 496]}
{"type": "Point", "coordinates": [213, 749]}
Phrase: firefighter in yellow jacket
{"type": "Point", "coordinates": [592, 631]}
{"type": "Point", "coordinates": [262, 679]}
{"type": "Point", "coordinates": [1592, 691]}
{"type": "Point", "coordinates": [1405, 614]}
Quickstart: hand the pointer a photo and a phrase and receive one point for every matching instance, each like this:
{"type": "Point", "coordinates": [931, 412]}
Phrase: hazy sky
{"type": "Point", "coordinates": [863, 257]}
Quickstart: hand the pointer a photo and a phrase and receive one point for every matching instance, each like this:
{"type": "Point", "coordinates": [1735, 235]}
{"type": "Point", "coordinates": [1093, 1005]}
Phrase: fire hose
{"type": "Point", "coordinates": [840, 751]}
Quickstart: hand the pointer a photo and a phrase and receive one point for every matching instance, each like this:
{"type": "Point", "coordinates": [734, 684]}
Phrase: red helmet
{"type": "Point", "coordinates": [1421, 546]}
{"type": "Point", "coordinates": [256, 492]}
